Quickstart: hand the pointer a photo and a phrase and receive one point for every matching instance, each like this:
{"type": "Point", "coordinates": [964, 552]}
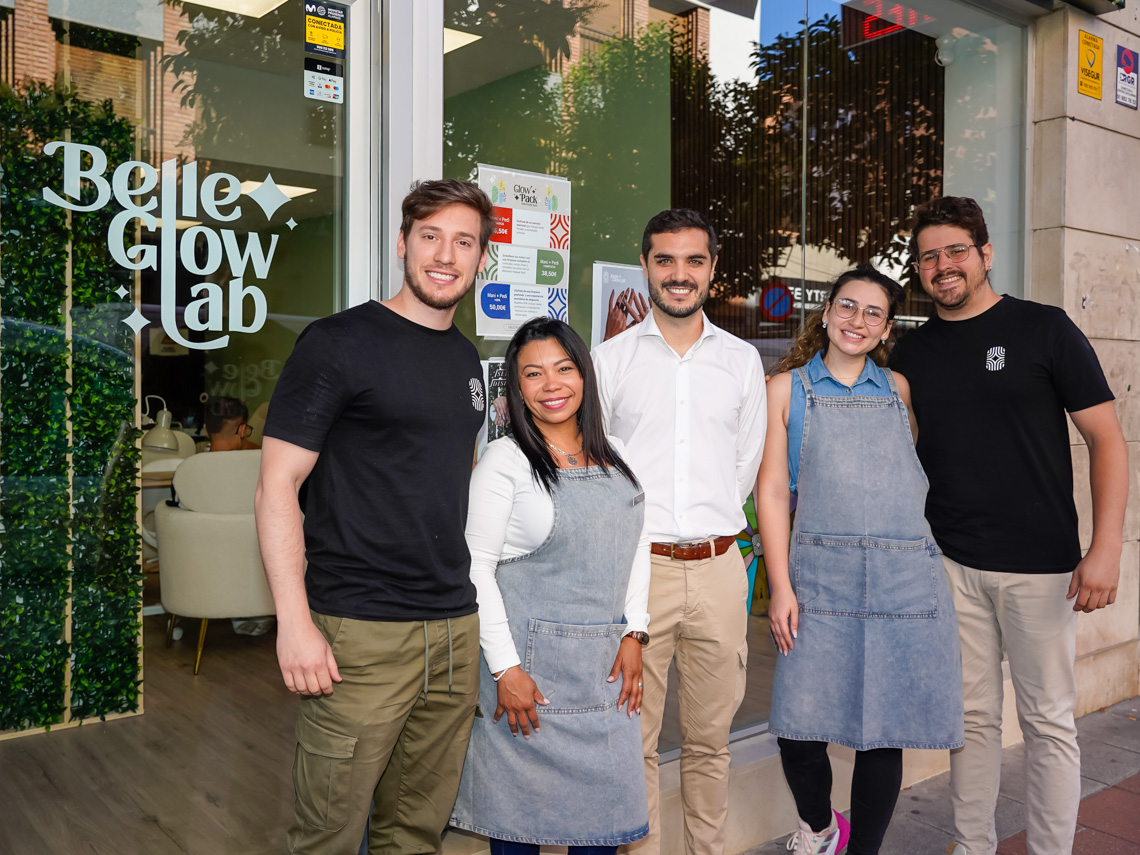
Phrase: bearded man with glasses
{"type": "Point", "coordinates": [991, 379]}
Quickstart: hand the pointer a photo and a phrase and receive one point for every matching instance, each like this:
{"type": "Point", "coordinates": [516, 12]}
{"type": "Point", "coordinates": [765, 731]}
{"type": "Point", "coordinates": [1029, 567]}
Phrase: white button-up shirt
{"type": "Point", "coordinates": [693, 425]}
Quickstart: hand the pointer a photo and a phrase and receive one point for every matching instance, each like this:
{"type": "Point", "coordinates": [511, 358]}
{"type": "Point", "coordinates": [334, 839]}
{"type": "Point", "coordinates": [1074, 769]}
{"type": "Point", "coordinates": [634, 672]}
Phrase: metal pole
{"type": "Point", "coordinates": [804, 172]}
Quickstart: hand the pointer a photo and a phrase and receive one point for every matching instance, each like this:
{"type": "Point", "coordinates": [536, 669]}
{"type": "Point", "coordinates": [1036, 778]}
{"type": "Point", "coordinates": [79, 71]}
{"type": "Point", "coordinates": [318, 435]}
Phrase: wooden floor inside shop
{"type": "Point", "coordinates": [206, 769]}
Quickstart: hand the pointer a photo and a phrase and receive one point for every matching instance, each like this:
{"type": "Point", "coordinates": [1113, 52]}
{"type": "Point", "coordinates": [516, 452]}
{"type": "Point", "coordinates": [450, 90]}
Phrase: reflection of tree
{"type": "Point", "coordinates": [640, 123]}
{"type": "Point", "coordinates": [874, 148]}
{"type": "Point", "coordinates": [214, 46]}
{"type": "Point", "coordinates": [545, 24]}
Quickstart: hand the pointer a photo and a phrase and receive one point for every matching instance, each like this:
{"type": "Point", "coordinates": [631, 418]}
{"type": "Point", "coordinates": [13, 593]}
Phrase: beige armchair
{"type": "Point", "coordinates": [209, 565]}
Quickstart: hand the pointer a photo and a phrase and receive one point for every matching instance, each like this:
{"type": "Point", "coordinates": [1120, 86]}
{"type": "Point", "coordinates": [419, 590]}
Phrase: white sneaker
{"type": "Point", "coordinates": [831, 841]}
{"type": "Point", "coordinates": [955, 849]}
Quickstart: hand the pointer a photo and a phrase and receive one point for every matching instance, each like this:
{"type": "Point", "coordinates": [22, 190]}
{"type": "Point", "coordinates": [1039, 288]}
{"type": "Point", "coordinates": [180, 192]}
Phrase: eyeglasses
{"type": "Point", "coordinates": [957, 253]}
{"type": "Point", "coordinates": [846, 309]}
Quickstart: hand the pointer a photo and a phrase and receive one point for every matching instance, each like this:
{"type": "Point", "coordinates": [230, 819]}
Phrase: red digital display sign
{"type": "Point", "coordinates": [867, 20]}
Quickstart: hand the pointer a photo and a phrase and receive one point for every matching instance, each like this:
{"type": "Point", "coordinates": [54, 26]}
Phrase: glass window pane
{"type": "Point", "coordinates": [172, 197]}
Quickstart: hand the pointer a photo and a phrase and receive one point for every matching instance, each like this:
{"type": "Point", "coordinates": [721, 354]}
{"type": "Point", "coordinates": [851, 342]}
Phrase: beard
{"type": "Point", "coordinates": [437, 301]}
{"type": "Point", "coordinates": [657, 296]}
{"type": "Point", "coordinates": [959, 297]}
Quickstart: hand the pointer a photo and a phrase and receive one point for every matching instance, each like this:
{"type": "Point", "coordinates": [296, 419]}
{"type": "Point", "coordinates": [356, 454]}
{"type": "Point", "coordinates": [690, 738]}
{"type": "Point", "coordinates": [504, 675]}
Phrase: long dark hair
{"type": "Point", "coordinates": [813, 337]}
{"type": "Point", "coordinates": [595, 446]}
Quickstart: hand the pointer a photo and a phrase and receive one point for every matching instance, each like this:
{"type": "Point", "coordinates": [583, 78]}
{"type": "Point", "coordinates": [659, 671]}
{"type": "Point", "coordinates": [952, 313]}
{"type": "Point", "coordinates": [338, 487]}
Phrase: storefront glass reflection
{"type": "Point", "coordinates": [648, 106]}
{"type": "Point", "coordinates": [172, 197]}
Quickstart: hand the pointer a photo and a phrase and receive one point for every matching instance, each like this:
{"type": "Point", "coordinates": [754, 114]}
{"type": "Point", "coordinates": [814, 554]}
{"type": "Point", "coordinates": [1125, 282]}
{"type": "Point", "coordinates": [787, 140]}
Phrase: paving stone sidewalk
{"type": "Point", "coordinates": [1109, 819]}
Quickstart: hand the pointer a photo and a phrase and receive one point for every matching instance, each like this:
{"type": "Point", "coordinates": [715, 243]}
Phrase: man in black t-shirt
{"type": "Point", "coordinates": [370, 435]}
{"type": "Point", "coordinates": [991, 379]}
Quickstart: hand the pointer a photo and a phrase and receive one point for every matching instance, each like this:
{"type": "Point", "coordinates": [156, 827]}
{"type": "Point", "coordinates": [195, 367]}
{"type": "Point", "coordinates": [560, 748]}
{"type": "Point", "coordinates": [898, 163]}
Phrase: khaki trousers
{"type": "Point", "coordinates": [698, 618]}
{"type": "Point", "coordinates": [376, 739]}
{"type": "Point", "coordinates": [1027, 615]}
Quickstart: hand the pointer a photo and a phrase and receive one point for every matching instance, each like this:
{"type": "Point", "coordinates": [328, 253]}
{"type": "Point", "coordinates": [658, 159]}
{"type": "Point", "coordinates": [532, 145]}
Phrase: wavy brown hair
{"type": "Point", "coordinates": [813, 337]}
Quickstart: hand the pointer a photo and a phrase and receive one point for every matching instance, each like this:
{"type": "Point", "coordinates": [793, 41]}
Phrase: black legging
{"type": "Point", "coordinates": [874, 789]}
{"type": "Point", "coordinates": [507, 847]}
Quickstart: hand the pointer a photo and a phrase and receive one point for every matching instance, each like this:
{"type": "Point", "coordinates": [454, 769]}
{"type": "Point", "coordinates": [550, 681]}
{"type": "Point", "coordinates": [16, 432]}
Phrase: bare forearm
{"type": "Point", "coordinates": [1108, 479]}
{"type": "Point", "coordinates": [281, 538]}
{"type": "Point", "coordinates": [772, 513]}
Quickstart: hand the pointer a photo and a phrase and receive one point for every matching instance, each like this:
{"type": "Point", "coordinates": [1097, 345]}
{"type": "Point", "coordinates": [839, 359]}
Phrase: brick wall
{"type": "Point", "coordinates": [34, 49]}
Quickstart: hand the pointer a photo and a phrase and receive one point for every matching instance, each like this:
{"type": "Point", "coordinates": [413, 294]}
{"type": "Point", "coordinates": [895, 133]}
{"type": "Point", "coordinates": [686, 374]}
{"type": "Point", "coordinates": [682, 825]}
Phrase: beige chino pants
{"type": "Point", "coordinates": [699, 618]}
{"type": "Point", "coordinates": [1027, 615]}
{"type": "Point", "coordinates": [374, 739]}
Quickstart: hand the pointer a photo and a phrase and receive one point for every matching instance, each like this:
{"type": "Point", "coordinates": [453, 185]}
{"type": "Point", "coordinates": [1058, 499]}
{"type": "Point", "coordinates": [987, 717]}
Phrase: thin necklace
{"type": "Point", "coordinates": [571, 456]}
{"type": "Point", "coordinates": [845, 380]}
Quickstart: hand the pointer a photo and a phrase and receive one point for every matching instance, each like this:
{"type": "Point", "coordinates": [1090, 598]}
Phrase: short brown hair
{"type": "Point", "coordinates": [960, 211]}
{"type": "Point", "coordinates": [428, 197]}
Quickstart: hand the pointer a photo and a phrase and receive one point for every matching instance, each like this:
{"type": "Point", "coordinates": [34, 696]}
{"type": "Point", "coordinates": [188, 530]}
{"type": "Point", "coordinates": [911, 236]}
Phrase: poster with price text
{"type": "Point", "coordinates": [528, 260]}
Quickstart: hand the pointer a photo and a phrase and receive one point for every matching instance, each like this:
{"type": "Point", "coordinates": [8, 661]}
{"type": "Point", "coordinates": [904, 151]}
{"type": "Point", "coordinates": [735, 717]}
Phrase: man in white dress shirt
{"type": "Point", "coordinates": [688, 401]}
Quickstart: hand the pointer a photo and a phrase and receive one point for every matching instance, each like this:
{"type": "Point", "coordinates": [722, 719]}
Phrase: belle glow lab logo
{"type": "Point", "coordinates": [218, 196]}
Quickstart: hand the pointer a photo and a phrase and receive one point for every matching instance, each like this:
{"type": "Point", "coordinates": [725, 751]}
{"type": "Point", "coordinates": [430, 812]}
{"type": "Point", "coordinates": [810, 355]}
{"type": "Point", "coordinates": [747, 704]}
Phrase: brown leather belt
{"type": "Point", "coordinates": [693, 551]}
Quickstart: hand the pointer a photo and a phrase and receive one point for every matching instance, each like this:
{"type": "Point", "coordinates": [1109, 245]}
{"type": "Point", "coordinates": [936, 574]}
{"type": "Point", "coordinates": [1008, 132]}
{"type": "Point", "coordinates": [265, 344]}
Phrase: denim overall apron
{"type": "Point", "coordinates": [579, 781]}
{"type": "Point", "coordinates": [877, 661]}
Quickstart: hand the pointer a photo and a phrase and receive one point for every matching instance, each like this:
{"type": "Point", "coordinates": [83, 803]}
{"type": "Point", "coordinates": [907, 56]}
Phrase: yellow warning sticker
{"type": "Point", "coordinates": [323, 32]}
{"type": "Point", "coordinates": [1090, 59]}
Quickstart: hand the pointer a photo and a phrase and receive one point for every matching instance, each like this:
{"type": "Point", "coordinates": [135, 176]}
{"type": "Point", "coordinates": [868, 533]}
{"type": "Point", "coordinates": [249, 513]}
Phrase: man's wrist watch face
{"type": "Point", "coordinates": [639, 637]}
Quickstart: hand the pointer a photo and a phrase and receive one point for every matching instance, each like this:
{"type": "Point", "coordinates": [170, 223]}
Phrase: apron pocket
{"type": "Point", "coordinates": [322, 775]}
{"type": "Point", "coordinates": [901, 578]}
{"type": "Point", "coordinates": [864, 576]}
{"type": "Point", "coordinates": [570, 663]}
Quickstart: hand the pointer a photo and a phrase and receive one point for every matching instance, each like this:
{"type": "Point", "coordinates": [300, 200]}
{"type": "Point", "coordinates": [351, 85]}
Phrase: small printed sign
{"type": "Point", "coordinates": [1090, 74]}
{"type": "Point", "coordinates": [324, 80]}
{"type": "Point", "coordinates": [1126, 76]}
{"type": "Point", "coordinates": [326, 26]}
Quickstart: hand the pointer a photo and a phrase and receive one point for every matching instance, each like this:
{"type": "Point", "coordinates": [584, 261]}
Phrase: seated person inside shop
{"type": "Point", "coordinates": [227, 425]}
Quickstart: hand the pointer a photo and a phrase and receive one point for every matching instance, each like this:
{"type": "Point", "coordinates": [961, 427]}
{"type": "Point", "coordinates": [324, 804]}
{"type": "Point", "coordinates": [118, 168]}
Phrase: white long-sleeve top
{"type": "Point", "coordinates": [509, 515]}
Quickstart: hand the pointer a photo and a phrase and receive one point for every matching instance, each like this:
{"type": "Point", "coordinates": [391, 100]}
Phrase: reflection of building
{"type": "Point", "coordinates": [976, 98]}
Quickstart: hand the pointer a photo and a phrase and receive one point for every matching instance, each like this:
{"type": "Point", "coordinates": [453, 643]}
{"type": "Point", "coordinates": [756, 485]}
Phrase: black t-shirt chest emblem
{"type": "Point", "coordinates": [476, 387]}
{"type": "Point", "coordinates": [995, 358]}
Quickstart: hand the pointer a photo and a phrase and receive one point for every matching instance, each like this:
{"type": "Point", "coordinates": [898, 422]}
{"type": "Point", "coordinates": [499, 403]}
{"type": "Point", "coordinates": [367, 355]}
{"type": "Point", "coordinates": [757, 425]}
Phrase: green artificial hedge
{"type": "Point", "coordinates": [47, 541]}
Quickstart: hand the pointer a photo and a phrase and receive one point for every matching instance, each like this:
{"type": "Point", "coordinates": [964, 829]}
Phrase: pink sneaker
{"type": "Point", "coordinates": [831, 841]}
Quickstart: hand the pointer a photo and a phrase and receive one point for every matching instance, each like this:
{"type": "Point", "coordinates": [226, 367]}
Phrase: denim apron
{"type": "Point", "coordinates": [877, 661]}
{"type": "Point", "coordinates": [580, 781]}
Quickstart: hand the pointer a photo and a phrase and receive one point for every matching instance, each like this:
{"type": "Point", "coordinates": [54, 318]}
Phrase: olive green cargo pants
{"type": "Point", "coordinates": [393, 734]}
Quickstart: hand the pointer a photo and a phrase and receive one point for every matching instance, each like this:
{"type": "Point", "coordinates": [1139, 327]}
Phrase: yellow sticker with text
{"type": "Point", "coordinates": [323, 32]}
{"type": "Point", "coordinates": [1090, 74]}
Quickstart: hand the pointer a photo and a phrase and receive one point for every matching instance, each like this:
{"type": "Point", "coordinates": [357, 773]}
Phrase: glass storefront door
{"type": "Point", "coordinates": [645, 106]}
{"type": "Point", "coordinates": [173, 202]}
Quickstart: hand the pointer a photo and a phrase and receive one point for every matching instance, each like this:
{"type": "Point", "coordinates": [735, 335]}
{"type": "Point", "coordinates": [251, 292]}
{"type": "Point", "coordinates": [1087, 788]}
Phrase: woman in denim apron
{"type": "Point", "coordinates": [861, 612]}
{"type": "Point", "coordinates": [560, 561]}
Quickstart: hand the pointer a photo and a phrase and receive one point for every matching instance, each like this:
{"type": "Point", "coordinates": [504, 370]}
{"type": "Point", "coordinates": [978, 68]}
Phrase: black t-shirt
{"type": "Point", "coordinates": [990, 395]}
{"type": "Point", "coordinates": [393, 408]}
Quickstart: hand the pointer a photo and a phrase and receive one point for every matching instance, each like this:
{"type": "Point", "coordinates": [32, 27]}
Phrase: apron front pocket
{"type": "Point", "coordinates": [864, 576]}
{"type": "Point", "coordinates": [322, 774]}
{"type": "Point", "coordinates": [570, 663]}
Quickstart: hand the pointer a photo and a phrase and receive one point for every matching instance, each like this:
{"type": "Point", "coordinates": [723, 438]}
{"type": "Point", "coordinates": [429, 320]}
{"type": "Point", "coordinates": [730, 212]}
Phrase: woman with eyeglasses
{"type": "Point", "coordinates": [860, 609]}
{"type": "Point", "coordinates": [560, 563]}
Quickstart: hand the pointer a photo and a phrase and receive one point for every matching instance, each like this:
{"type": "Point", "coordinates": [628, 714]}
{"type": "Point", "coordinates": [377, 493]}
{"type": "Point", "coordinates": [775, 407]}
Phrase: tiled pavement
{"type": "Point", "coordinates": [1109, 818]}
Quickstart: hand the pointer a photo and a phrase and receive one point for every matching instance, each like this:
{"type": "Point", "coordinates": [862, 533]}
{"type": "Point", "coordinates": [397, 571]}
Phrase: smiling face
{"type": "Point", "coordinates": [679, 270]}
{"type": "Point", "coordinates": [854, 336]}
{"type": "Point", "coordinates": [955, 287]}
{"type": "Point", "coordinates": [550, 382]}
{"type": "Point", "coordinates": [442, 255]}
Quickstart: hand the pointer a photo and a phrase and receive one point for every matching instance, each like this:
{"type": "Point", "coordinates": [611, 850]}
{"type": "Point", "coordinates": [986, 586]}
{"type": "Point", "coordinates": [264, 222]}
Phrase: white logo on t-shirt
{"type": "Point", "coordinates": [995, 359]}
{"type": "Point", "coordinates": [476, 394]}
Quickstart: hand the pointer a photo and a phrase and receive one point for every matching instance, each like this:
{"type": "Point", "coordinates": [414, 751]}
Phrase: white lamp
{"type": "Point", "coordinates": [160, 436]}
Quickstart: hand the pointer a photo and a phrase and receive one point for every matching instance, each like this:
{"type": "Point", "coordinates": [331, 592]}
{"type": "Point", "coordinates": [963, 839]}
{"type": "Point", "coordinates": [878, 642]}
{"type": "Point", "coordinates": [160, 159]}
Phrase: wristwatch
{"type": "Point", "coordinates": [641, 638]}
